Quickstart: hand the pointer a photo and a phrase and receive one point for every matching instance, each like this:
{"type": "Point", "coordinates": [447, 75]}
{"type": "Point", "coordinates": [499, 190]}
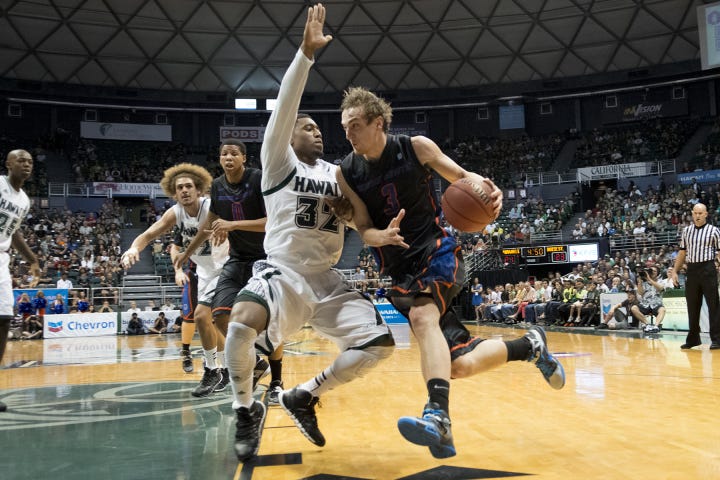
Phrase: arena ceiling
{"type": "Point", "coordinates": [243, 47]}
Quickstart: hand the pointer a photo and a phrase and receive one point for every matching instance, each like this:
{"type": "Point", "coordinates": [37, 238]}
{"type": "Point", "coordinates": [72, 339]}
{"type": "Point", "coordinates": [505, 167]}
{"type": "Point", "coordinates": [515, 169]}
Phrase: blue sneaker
{"type": "Point", "coordinates": [432, 430]}
{"type": "Point", "coordinates": [549, 366]}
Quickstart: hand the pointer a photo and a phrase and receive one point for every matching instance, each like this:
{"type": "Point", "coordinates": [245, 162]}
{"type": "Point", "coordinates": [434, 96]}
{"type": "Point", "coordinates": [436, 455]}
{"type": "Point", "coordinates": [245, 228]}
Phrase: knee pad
{"type": "Point", "coordinates": [241, 332]}
{"type": "Point", "coordinates": [352, 364]}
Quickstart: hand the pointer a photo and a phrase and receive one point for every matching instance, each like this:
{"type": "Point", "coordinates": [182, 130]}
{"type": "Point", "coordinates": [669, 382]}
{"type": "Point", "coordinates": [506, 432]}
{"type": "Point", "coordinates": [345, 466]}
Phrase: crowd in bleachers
{"type": "Point", "coordinates": [82, 246]}
{"type": "Point", "coordinates": [502, 158]}
{"type": "Point", "coordinates": [573, 299]}
{"type": "Point", "coordinates": [648, 140]}
{"type": "Point", "coordinates": [122, 161]}
{"type": "Point", "coordinates": [86, 246]}
{"type": "Point", "coordinates": [518, 223]}
{"type": "Point", "coordinates": [707, 156]}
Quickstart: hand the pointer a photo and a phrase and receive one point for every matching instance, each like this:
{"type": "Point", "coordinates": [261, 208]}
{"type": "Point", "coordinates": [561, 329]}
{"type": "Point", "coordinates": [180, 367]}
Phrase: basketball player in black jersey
{"type": "Point", "coordinates": [237, 211]}
{"type": "Point", "coordinates": [388, 180]}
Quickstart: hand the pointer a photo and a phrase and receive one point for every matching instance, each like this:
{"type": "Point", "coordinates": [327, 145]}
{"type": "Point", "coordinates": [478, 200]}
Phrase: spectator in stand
{"type": "Point", "coordinates": [133, 307]}
{"type": "Point", "coordinates": [105, 308]}
{"type": "Point", "coordinates": [650, 290]}
{"type": "Point", "coordinates": [380, 294]}
{"type": "Point", "coordinates": [82, 302]}
{"type": "Point", "coordinates": [576, 306]}
{"type": "Point", "coordinates": [64, 282]}
{"type": "Point", "coordinates": [476, 290]}
{"type": "Point", "coordinates": [168, 305]}
{"type": "Point", "coordinates": [616, 319]}
{"type": "Point", "coordinates": [135, 325]}
{"type": "Point", "coordinates": [58, 305]}
{"type": "Point", "coordinates": [569, 296]}
{"type": "Point", "coordinates": [491, 298]}
{"type": "Point", "coordinates": [24, 306]}
{"type": "Point", "coordinates": [40, 304]}
{"type": "Point", "coordinates": [160, 325]}
{"type": "Point", "coordinates": [32, 328]}
{"type": "Point", "coordinates": [591, 305]}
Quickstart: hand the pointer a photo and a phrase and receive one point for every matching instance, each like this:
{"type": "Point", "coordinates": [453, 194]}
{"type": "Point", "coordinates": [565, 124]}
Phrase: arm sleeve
{"type": "Point", "coordinates": [275, 153]}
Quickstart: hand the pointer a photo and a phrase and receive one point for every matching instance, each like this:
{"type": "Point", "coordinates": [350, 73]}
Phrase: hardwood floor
{"type": "Point", "coordinates": [633, 407]}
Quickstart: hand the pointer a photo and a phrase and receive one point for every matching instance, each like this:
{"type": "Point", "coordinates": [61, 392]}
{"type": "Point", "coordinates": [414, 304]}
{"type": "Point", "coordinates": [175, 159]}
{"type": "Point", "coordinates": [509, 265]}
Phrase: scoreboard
{"type": "Point", "coordinates": [550, 254]}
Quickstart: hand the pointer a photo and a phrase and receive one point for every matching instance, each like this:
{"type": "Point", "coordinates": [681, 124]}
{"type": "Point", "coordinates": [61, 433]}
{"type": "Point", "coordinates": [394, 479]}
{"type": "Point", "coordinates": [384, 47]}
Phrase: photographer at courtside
{"type": "Point", "coordinates": [649, 290]}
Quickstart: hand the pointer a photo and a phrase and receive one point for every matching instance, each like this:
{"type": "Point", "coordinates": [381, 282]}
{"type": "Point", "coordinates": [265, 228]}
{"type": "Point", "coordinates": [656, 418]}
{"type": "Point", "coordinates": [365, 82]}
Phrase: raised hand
{"type": "Point", "coordinates": [313, 36]}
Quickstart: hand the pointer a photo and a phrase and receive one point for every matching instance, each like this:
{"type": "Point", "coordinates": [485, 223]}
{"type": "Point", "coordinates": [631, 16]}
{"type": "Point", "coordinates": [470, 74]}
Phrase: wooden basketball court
{"type": "Point", "coordinates": [120, 408]}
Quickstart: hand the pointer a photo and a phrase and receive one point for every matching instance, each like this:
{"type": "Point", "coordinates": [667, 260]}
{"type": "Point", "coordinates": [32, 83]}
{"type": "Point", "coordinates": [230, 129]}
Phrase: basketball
{"type": "Point", "coordinates": [468, 206]}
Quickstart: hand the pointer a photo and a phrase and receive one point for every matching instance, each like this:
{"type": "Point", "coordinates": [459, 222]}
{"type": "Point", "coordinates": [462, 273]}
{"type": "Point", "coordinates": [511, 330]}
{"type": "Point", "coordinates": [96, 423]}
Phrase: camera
{"type": "Point", "coordinates": [642, 273]}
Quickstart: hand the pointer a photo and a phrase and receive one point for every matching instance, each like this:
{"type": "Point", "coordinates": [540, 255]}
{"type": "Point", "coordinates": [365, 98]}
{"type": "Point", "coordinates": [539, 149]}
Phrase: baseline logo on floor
{"type": "Point", "coordinates": [77, 404]}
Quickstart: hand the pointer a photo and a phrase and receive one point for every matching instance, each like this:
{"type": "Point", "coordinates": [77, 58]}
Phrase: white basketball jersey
{"type": "Point", "coordinates": [14, 206]}
{"type": "Point", "coordinates": [208, 259]}
{"type": "Point", "coordinates": [301, 228]}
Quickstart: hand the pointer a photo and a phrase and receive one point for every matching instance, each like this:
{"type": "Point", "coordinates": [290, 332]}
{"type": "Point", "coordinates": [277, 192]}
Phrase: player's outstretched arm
{"type": "Point", "coordinates": [365, 227]}
{"type": "Point", "coordinates": [430, 155]}
{"type": "Point", "coordinates": [313, 36]}
{"type": "Point", "coordinates": [132, 254]}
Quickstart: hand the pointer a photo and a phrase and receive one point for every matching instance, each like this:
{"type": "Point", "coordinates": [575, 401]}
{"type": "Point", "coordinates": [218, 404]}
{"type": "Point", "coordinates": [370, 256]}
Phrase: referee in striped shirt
{"type": "Point", "coordinates": [699, 245]}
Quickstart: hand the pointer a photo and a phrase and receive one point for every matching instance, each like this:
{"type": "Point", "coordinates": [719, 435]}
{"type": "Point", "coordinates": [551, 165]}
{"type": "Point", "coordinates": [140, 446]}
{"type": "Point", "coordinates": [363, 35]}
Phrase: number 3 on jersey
{"type": "Point", "coordinates": [309, 211]}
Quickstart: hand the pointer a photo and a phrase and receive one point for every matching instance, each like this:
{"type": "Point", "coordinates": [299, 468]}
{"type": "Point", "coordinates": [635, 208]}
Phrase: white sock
{"type": "Point", "coordinates": [211, 358]}
{"type": "Point", "coordinates": [348, 366]}
{"type": "Point", "coordinates": [221, 363]}
{"type": "Point", "coordinates": [321, 383]}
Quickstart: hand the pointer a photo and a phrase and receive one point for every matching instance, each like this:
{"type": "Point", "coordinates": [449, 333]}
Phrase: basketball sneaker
{"type": "Point", "coordinates": [262, 370]}
{"type": "Point", "coordinates": [248, 430]}
{"type": "Point", "coordinates": [551, 369]}
{"type": "Point", "coordinates": [210, 380]}
{"type": "Point", "coordinates": [432, 430]}
{"type": "Point", "coordinates": [300, 405]}
{"type": "Point", "coordinates": [187, 362]}
{"type": "Point", "coordinates": [224, 381]}
{"type": "Point", "coordinates": [276, 386]}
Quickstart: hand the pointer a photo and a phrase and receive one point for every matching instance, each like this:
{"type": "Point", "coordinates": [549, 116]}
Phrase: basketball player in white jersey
{"type": "Point", "coordinates": [187, 183]}
{"type": "Point", "coordinates": [14, 206]}
{"type": "Point", "coordinates": [297, 284]}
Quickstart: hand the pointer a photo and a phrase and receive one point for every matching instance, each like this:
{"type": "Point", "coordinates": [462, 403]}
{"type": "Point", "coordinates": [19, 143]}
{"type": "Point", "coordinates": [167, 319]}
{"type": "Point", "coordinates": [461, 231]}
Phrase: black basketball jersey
{"type": "Point", "coordinates": [240, 201]}
{"type": "Point", "coordinates": [398, 180]}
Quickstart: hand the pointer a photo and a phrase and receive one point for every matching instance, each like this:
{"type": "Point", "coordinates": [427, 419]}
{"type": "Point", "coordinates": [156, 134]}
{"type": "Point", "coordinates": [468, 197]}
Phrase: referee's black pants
{"type": "Point", "coordinates": [702, 281]}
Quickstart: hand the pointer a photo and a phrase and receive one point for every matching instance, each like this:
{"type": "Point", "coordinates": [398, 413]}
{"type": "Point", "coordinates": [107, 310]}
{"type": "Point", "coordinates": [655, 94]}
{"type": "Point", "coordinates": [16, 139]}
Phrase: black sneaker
{"type": "Point", "coordinates": [262, 370]}
{"type": "Point", "coordinates": [432, 430]}
{"type": "Point", "coordinates": [187, 362]}
{"type": "Point", "coordinates": [276, 386]}
{"type": "Point", "coordinates": [223, 381]}
{"type": "Point", "coordinates": [210, 380]}
{"type": "Point", "coordinates": [300, 405]}
{"type": "Point", "coordinates": [248, 430]}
